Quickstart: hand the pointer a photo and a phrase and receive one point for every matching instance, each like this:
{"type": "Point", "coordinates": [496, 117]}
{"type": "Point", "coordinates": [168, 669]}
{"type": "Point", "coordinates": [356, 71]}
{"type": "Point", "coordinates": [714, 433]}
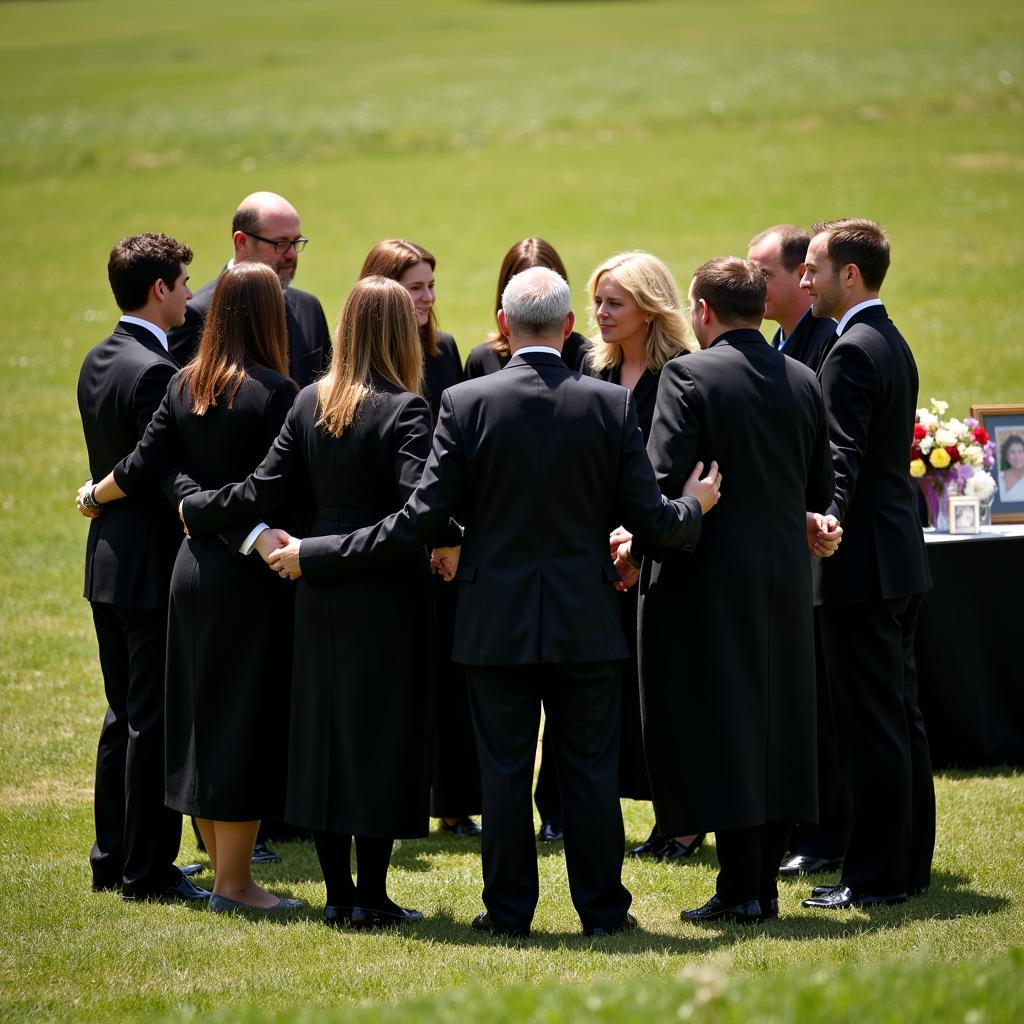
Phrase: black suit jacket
{"type": "Point", "coordinates": [807, 340]}
{"type": "Point", "coordinates": [309, 340]}
{"type": "Point", "coordinates": [539, 463]}
{"type": "Point", "coordinates": [131, 546]}
{"type": "Point", "coordinates": [484, 360]}
{"type": "Point", "coordinates": [869, 383]}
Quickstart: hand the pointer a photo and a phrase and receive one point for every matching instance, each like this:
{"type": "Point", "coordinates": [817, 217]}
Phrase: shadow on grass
{"type": "Point", "coordinates": [1000, 771]}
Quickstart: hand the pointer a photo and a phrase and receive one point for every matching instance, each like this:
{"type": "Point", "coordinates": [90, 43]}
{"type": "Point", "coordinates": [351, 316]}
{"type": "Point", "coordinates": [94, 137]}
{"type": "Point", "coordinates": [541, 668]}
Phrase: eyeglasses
{"type": "Point", "coordinates": [282, 245]}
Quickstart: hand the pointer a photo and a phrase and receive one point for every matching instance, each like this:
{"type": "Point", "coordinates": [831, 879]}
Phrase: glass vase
{"type": "Point", "coordinates": [936, 492]}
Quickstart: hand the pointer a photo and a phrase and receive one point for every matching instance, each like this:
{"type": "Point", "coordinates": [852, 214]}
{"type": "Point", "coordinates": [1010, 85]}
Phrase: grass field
{"type": "Point", "coordinates": [678, 127]}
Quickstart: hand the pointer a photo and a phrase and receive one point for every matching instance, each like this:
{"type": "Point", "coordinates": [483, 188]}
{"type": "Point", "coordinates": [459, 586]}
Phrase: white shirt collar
{"type": "Point", "coordinates": [537, 348]}
{"type": "Point", "coordinates": [853, 311]}
{"type": "Point", "coordinates": [160, 335]}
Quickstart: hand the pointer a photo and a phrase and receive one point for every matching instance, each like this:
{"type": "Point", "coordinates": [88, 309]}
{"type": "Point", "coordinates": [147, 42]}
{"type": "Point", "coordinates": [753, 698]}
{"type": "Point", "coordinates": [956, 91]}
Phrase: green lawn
{"type": "Point", "coordinates": [678, 127]}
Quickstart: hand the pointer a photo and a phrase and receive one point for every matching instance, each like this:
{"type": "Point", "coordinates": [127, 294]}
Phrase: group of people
{"type": "Point", "coordinates": [631, 532]}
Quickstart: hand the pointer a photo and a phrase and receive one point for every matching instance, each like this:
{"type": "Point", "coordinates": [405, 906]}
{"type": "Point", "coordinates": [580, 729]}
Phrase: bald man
{"type": "Point", "coordinates": [266, 230]}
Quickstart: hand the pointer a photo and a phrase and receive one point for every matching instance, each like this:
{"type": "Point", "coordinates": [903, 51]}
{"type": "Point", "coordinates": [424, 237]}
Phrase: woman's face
{"type": "Point", "coordinates": [617, 314]}
{"type": "Point", "coordinates": [418, 281]}
{"type": "Point", "coordinates": [1015, 455]}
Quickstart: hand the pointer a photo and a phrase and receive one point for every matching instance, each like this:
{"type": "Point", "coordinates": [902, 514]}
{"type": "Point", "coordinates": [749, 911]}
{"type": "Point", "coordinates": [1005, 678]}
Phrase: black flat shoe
{"type": "Point", "coordinates": [805, 864]}
{"type": "Point", "coordinates": [483, 923]}
{"type": "Point", "coordinates": [464, 829]}
{"type": "Point", "coordinates": [224, 905]}
{"type": "Point", "coordinates": [653, 846]}
{"type": "Point", "coordinates": [550, 832]}
{"type": "Point", "coordinates": [627, 924]}
{"type": "Point", "coordinates": [337, 917]}
{"type": "Point", "coordinates": [715, 910]}
{"type": "Point", "coordinates": [182, 890]}
{"type": "Point", "coordinates": [842, 897]}
{"type": "Point", "coordinates": [362, 918]}
{"type": "Point", "coordinates": [675, 850]}
{"type": "Point", "coordinates": [262, 854]}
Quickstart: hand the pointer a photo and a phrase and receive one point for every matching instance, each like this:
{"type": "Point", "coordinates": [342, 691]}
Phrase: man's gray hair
{"type": "Point", "coordinates": [536, 302]}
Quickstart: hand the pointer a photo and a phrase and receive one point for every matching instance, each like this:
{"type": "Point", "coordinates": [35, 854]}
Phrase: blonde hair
{"type": "Point", "coordinates": [376, 337]}
{"type": "Point", "coordinates": [648, 280]}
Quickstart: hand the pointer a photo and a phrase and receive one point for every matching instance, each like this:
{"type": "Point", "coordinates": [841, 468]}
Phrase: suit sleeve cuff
{"type": "Point", "coordinates": [246, 546]}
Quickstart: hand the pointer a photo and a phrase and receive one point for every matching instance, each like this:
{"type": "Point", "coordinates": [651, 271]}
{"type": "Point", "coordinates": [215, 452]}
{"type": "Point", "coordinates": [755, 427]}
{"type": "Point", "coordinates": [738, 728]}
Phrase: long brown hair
{"type": "Point", "coordinates": [245, 324]}
{"type": "Point", "coordinates": [376, 337]}
{"type": "Point", "coordinates": [392, 258]}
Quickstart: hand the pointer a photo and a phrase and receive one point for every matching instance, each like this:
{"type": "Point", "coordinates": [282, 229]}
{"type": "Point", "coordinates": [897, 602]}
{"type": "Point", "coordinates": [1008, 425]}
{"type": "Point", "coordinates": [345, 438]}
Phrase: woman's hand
{"type": "Point", "coordinates": [83, 492]}
{"type": "Point", "coordinates": [285, 561]}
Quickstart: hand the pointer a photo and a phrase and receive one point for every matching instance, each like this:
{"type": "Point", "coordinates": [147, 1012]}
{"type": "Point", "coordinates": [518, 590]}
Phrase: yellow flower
{"type": "Point", "coordinates": [939, 458]}
{"type": "Point", "coordinates": [918, 468]}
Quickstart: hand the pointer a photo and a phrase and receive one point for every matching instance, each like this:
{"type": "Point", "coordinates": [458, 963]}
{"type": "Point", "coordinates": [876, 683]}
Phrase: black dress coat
{"type": "Point", "coordinates": [229, 619]}
{"type": "Point", "coordinates": [309, 340]}
{"type": "Point", "coordinates": [484, 360]}
{"type": "Point", "coordinates": [359, 754]}
{"type": "Point", "coordinates": [807, 340]}
{"type": "Point", "coordinates": [726, 639]}
{"type": "Point", "coordinates": [633, 781]}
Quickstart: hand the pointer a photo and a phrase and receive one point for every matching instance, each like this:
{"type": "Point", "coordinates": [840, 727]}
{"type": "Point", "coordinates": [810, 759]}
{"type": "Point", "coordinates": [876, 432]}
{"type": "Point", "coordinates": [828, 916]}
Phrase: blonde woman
{"type": "Point", "coordinates": [356, 442]}
{"type": "Point", "coordinates": [641, 326]}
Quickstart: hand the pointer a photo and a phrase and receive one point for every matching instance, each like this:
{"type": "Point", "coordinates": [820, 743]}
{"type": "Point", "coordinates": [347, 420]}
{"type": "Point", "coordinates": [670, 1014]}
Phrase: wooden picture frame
{"type": "Point", "coordinates": [1005, 426]}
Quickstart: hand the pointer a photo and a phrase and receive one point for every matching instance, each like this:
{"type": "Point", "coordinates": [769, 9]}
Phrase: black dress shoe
{"type": "Point", "coordinates": [627, 924]}
{"type": "Point", "coordinates": [483, 923]}
{"type": "Point", "coordinates": [364, 918]}
{"type": "Point", "coordinates": [262, 854]}
{"type": "Point", "coordinates": [770, 907]}
{"type": "Point", "coordinates": [675, 850]}
{"type": "Point", "coordinates": [715, 910]}
{"type": "Point", "coordinates": [189, 870]}
{"type": "Point", "coordinates": [464, 829]}
{"type": "Point", "coordinates": [337, 917]}
{"type": "Point", "coordinates": [550, 832]}
{"type": "Point", "coordinates": [842, 897]}
{"type": "Point", "coordinates": [822, 890]}
{"type": "Point", "coordinates": [805, 864]}
{"type": "Point", "coordinates": [652, 846]}
{"type": "Point", "coordinates": [99, 886]}
{"type": "Point", "coordinates": [182, 889]}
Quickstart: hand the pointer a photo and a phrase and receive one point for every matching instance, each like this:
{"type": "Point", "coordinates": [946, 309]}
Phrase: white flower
{"type": "Point", "coordinates": [926, 443]}
{"type": "Point", "coordinates": [939, 406]}
{"type": "Point", "coordinates": [945, 438]}
{"type": "Point", "coordinates": [980, 486]}
{"type": "Point", "coordinates": [972, 455]}
{"type": "Point", "coordinates": [955, 427]}
{"type": "Point", "coordinates": [927, 419]}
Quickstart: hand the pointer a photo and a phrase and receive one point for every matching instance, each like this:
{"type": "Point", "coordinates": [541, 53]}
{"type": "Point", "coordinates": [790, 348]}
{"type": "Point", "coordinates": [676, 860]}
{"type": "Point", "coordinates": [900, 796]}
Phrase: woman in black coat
{"type": "Point", "coordinates": [642, 326]}
{"type": "Point", "coordinates": [229, 619]}
{"type": "Point", "coordinates": [362, 676]}
{"type": "Point", "coordinates": [455, 784]}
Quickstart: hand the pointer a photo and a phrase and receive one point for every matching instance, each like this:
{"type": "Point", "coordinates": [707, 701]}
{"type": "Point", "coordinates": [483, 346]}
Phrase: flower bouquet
{"type": "Point", "coordinates": [948, 457]}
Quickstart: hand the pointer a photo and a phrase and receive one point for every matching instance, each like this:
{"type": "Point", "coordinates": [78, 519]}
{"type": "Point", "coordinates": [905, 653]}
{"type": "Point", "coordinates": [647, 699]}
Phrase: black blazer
{"type": "Point", "coordinates": [131, 546]}
{"type": "Point", "coordinates": [539, 463]}
{"type": "Point", "coordinates": [484, 360]}
{"type": "Point", "coordinates": [645, 392]}
{"type": "Point", "coordinates": [869, 384]}
{"type": "Point", "coordinates": [807, 340]}
{"type": "Point", "coordinates": [441, 371]}
{"type": "Point", "coordinates": [309, 340]}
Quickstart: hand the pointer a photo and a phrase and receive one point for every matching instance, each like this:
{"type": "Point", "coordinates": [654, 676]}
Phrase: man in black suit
{"type": "Point", "coordinates": [780, 251]}
{"type": "Point", "coordinates": [130, 552]}
{"type": "Point", "coordinates": [740, 605]}
{"type": "Point", "coordinates": [266, 230]}
{"type": "Point", "coordinates": [871, 591]}
{"type": "Point", "coordinates": [539, 463]}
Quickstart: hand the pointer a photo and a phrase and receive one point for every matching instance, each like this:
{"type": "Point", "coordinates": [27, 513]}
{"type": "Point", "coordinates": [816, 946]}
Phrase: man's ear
{"type": "Point", "coordinates": [240, 240]}
{"type": "Point", "coordinates": [503, 323]}
{"type": "Point", "coordinates": [570, 323]}
{"type": "Point", "coordinates": [158, 289]}
{"type": "Point", "coordinates": [851, 274]}
{"type": "Point", "coordinates": [705, 311]}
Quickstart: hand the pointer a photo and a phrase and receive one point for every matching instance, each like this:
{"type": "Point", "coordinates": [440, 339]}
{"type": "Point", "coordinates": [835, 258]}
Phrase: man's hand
{"type": "Point", "coordinates": [269, 541]}
{"type": "Point", "coordinates": [706, 490]}
{"type": "Point", "coordinates": [83, 491]}
{"type": "Point", "coordinates": [444, 562]}
{"type": "Point", "coordinates": [823, 534]}
{"type": "Point", "coordinates": [181, 516]}
{"type": "Point", "coordinates": [621, 548]}
{"type": "Point", "coordinates": [285, 561]}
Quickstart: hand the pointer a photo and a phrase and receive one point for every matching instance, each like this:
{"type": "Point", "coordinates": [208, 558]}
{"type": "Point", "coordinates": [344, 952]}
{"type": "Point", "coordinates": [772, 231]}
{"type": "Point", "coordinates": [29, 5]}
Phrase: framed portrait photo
{"type": "Point", "coordinates": [964, 515]}
{"type": "Point", "coordinates": [1005, 426]}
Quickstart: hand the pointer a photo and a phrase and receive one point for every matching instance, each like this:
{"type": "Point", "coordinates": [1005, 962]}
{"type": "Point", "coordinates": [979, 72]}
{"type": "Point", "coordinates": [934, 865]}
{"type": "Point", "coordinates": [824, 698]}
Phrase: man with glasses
{"type": "Point", "coordinates": [266, 230]}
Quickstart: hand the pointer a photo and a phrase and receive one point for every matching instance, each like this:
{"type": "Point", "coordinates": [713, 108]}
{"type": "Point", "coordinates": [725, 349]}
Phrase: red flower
{"type": "Point", "coordinates": [981, 435]}
{"type": "Point", "coordinates": [954, 452]}
{"type": "Point", "coordinates": [915, 452]}
{"type": "Point", "coordinates": [920, 432]}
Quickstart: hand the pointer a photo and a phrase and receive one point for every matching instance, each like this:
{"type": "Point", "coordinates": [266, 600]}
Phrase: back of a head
{"type": "Point", "coordinates": [536, 303]}
{"type": "Point", "coordinates": [735, 290]}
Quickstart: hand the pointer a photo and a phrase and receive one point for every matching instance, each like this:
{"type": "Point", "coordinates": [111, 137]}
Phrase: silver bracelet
{"type": "Point", "coordinates": [89, 501]}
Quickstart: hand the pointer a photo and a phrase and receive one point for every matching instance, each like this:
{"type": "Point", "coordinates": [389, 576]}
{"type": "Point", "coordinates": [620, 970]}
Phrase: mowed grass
{"type": "Point", "coordinates": [680, 128]}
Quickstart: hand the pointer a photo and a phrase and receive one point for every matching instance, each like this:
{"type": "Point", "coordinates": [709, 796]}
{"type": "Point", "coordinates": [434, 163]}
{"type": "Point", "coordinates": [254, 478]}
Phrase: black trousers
{"type": "Point", "coordinates": [546, 795]}
{"type": "Point", "coordinates": [137, 837]}
{"type": "Point", "coordinates": [882, 743]}
{"type": "Point", "coordinates": [581, 705]}
{"type": "Point", "coordinates": [748, 862]}
{"type": "Point", "coordinates": [828, 837]}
